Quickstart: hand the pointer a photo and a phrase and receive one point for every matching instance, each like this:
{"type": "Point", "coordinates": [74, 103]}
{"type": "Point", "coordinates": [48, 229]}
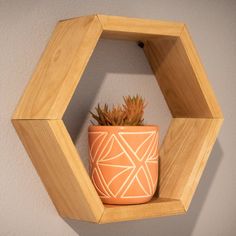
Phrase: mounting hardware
{"type": "Point", "coordinates": [140, 44]}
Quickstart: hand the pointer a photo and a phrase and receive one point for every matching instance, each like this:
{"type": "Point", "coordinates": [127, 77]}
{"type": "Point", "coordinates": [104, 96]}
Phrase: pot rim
{"type": "Point", "coordinates": [123, 127]}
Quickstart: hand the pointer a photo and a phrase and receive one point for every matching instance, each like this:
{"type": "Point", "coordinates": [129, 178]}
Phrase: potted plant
{"type": "Point", "coordinates": [123, 153]}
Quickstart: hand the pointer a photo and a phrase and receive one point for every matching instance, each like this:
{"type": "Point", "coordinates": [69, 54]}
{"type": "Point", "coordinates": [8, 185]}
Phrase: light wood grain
{"type": "Point", "coordinates": [117, 27]}
{"type": "Point", "coordinates": [183, 81]}
{"type": "Point", "coordinates": [200, 74]}
{"type": "Point", "coordinates": [183, 156]}
{"type": "Point", "coordinates": [60, 168]}
{"type": "Point", "coordinates": [157, 207]}
{"type": "Point", "coordinates": [59, 69]}
{"type": "Point", "coordinates": [181, 86]}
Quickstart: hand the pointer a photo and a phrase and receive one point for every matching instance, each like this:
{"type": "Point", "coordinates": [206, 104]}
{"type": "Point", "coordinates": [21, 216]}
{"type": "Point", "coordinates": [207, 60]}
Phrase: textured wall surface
{"type": "Point", "coordinates": [25, 26]}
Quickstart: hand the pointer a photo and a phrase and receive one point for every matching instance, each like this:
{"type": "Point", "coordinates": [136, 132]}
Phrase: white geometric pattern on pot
{"type": "Point", "coordinates": [114, 158]}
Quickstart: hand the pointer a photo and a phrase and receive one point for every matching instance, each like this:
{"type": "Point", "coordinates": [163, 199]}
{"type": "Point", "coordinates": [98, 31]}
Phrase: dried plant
{"type": "Point", "coordinates": [128, 114]}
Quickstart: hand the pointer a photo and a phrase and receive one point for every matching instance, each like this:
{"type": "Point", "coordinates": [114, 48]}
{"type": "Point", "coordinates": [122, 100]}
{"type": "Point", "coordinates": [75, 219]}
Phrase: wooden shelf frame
{"type": "Point", "coordinates": [197, 117]}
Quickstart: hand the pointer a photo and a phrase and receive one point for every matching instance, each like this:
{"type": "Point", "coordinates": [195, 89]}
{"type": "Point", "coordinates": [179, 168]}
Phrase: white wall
{"type": "Point", "coordinates": [25, 26]}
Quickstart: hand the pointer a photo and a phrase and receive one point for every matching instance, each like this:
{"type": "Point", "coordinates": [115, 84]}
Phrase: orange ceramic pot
{"type": "Point", "coordinates": [124, 162]}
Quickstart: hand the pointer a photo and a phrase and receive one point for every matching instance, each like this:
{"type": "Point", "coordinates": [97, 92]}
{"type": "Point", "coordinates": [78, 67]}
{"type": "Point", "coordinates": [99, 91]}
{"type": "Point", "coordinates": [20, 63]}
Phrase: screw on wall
{"type": "Point", "coordinates": [140, 44]}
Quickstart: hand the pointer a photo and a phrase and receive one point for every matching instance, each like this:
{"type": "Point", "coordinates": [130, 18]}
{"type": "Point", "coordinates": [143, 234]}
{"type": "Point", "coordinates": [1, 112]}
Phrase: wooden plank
{"type": "Point", "coordinates": [200, 73]}
{"type": "Point", "coordinates": [183, 156]}
{"type": "Point", "coordinates": [183, 81]}
{"type": "Point", "coordinates": [117, 27]}
{"type": "Point", "coordinates": [59, 69]}
{"type": "Point", "coordinates": [60, 168]}
{"type": "Point", "coordinates": [176, 78]}
{"type": "Point", "coordinates": [155, 208]}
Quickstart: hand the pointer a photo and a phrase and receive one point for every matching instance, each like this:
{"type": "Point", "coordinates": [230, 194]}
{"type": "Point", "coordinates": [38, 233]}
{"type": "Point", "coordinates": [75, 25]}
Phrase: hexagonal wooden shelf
{"type": "Point", "coordinates": [183, 155]}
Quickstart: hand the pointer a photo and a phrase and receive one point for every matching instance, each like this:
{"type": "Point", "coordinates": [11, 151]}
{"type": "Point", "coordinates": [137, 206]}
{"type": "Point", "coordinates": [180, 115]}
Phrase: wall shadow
{"type": "Point", "coordinates": [116, 68]}
{"type": "Point", "coordinates": [110, 56]}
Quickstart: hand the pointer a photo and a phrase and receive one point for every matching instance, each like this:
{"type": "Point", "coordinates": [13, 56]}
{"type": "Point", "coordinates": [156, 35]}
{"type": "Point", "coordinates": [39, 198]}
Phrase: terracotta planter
{"type": "Point", "coordinates": [124, 162]}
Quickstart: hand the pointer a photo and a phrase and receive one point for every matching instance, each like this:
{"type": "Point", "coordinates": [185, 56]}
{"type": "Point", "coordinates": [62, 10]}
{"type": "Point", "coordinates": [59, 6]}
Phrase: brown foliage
{"type": "Point", "coordinates": [128, 114]}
